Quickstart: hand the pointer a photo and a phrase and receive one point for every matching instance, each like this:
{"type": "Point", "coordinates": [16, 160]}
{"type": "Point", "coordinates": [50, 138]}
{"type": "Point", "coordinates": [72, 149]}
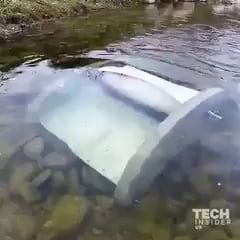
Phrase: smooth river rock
{"type": "Point", "coordinates": [66, 216]}
{"type": "Point", "coordinates": [55, 160]}
{"type": "Point", "coordinates": [12, 138]}
{"type": "Point", "coordinates": [58, 179]}
{"type": "Point", "coordinates": [16, 222]}
{"type": "Point", "coordinates": [19, 183]}
{"type": "Point", "coordinates": [42, 177]}
{"type": "Point", "coordinates": [34, 148]}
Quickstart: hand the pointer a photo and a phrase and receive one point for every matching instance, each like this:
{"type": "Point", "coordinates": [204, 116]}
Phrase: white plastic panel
{"type": "Point", "coordinates": [103, 131]}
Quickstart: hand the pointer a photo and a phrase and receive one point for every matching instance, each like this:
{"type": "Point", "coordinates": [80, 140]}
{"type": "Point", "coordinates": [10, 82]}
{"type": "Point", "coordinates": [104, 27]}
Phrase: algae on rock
{"type": "Point", "coordinates": [67, 215]}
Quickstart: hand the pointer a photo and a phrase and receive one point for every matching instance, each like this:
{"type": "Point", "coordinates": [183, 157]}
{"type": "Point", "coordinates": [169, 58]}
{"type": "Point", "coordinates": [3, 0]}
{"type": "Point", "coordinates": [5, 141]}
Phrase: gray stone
{"type": "Point", "coordinates": [20, 174]}
{"type": "Point", "coordinates": [149, 1]}
{"type": "Point", "coordinates": [104, 202]}
{"type": "Point", "coordinates": [55, 160]}
{"type": "Point", "coordinates": [42, 177]}
{"type": "Point", "coordinates": [34, 148]}
{"type": "Point", "coordinates": [29, 193]}
{"type": "Point", "coordinates": [161, 232]}
{"type": "Point", "coordinates": [19, 183]}
{"type": "Point", "coordinates": [25, 226]}
{"type": "Point", "coordinates": [16, 222]}
{"type": "Point", "coordinates": [235, 228]}
{"type": "Point", "coordinates": [183, 238]}
{"type": "Point", "coordinates": [200, 182]}
{"type": "Point", "coordinates": [58, 179]}
{"type": "Point", "coordinates": [214, 234]}
{"type": "Point", "coordinates": [220, 203]}
{"type": "Point", "coordinates": [3, 194]}
{"type": "Point", "coordinates": [73, 183]}
{"type": "Point", "coordinates": [176, 176]}
{"type": "Point", "coordinates": [12, 138]}
{"type": "Point", "coordinates": [189, 197]}
{"type": "Point", "coordinates": [97, 231]}
{"type": "Point", "coordinates": [174, 206]}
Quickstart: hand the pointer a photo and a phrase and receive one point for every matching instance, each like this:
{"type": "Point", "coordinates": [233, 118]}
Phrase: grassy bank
{"type": "Point", "coordinates": [15, 15]}
{"type": "Point", "coordinates": [27, 11]}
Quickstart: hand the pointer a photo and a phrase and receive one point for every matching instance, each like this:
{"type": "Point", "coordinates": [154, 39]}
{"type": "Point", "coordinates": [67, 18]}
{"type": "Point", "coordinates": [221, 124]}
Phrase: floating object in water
{"type": "Point", "coordinates": [126, 123]}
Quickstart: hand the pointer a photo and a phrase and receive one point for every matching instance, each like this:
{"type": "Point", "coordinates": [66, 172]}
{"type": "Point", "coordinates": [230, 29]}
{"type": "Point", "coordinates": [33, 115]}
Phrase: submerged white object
{"type": "Point", "coordinates": [180, 93]}
{"type": "Point", "coordinates": [99, 120]}
{"type": "Point", "coordinates": [183, 127]}
{"type": "Point", "coordinates": [102, 130]}
{"type": "Point", "coordinates": [140, 91]}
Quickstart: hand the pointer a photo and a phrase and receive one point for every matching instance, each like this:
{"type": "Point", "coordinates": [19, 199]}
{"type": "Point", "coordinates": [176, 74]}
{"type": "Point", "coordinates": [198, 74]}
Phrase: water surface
{"type": "Point", "coordinates": [192, 44]}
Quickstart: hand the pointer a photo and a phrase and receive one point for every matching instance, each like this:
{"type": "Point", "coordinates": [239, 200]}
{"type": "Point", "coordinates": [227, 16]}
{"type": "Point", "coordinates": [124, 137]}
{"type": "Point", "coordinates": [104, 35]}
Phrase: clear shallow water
{"type": "Point", "coordinates": [196, 45]}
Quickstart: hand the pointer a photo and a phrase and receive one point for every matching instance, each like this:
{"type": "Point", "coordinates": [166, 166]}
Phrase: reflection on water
{"type": "Point", "coordinates": [48, 193]}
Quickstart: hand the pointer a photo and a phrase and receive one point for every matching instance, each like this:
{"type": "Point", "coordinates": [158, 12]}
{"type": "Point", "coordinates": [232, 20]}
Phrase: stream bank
{"type": "Point", "coordinates": [17, 16]}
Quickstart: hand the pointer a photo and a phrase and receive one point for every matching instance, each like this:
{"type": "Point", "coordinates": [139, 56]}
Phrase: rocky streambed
{"type": "Point", "coordinates": [47, 193]}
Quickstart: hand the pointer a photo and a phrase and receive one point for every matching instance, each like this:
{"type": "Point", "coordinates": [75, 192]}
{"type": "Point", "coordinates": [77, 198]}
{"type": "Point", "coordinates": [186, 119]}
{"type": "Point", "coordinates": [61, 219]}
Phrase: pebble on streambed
{"type": "Point", "coordinates": [47, 197]}
{"type": "Point", "coordinates": [65, 217]}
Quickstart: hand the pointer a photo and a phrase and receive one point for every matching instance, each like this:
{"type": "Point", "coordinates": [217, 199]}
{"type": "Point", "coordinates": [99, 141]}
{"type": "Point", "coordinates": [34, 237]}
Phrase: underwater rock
{"type": "Point", "coordinates": [151, 213]}
{"type": "Point", "coordinates": [105, 202]}
{"type": "Point", "coordinates": [55, 160]}
{"type": "Point", "coordinates": [183, 238]}
{"type": "Point", "coordinates": [93, 179]}
{"type": "Point", "coordinates": [73, 184]}
{"type": "Point", "coordinates": [58, 179]}
{"type": "Point", "coordinates": [189, 223]}
{"type": "Point", "coordinates": [29, 193]}
{"type": "Point", "coordinates": [34, 148]}
{"type": "Point", "coordinates": [42, 177]}
{"type": "Point", "coordinates": [16, 222]}
{"type": "Point", "coordinates": [213, 234]}
{"type": "Point", "coordinates": [181, 228]}
{"type": "Point", "coordinates": [176, 176]}
{"type": "Point", "coordinates": [174, 206]}
{"type": "Point", "coordinates": [151, 208]}
{"type": "Point", "coordinates": [12, 138]}
{"type": "Point", "coordinates": [149, 1]}
{"type": "Point", "coordinates": [23, 172]}
{"type": "Point", "coordinates": [220, 203]}
{"type": "Point", "coordinates": [25, 226]}
{"type": "Point", "coordinates": [67, 215]}
{"type": "Point", "coordinates": [200, 182]}
{"type": "Point", "coordinates": [6, 152]}
{"type": "Point", "coordinates": [19, 183]}
{"type": "Point", "coordinates": [235, 228]}
{"type": "Point", "coordinates": [162, 232]}
{"type": "Point", "coordinates": [3, 194]}
{"type": "Point", "coordinates": [97, 231]}
{"type": "Point", "coordinates": [189, 197]}
{"type": "Point", "coordinates": [48, 204]}
{"type": "Point", "coordinates": [147, 227]}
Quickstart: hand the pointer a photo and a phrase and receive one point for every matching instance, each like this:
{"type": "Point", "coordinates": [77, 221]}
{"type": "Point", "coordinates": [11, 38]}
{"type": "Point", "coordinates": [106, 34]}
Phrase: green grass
{"type": "Point", "coordinates": [18, 11]}
{"type": "Point", "coordinates": [27, 11]}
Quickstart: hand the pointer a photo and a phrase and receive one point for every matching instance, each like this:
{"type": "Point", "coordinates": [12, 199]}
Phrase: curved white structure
{"type": "Point", "coordinates": [105, 121]}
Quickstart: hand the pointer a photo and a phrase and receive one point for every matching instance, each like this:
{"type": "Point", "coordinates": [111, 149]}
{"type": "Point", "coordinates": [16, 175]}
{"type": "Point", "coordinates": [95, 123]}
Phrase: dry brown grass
{"type": "Point", "coordinates": [36, 10]}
